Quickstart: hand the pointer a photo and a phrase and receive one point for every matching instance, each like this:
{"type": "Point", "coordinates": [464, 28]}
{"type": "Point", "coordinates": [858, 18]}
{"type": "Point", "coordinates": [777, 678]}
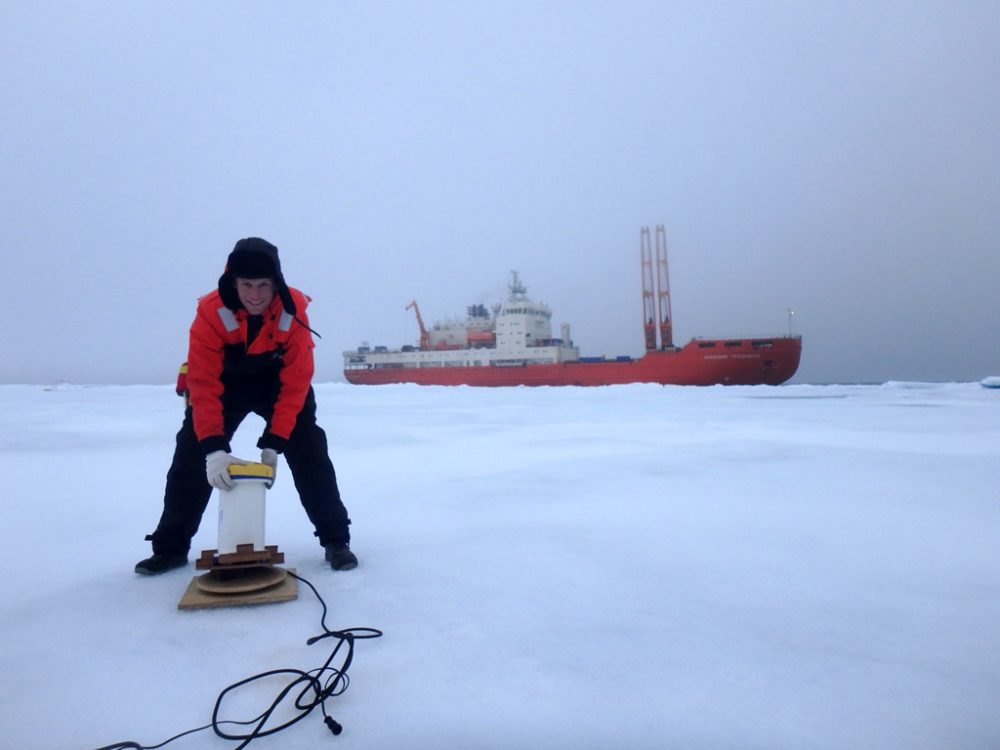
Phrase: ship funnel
{"type": "Point", "coordinates": [565, 334]}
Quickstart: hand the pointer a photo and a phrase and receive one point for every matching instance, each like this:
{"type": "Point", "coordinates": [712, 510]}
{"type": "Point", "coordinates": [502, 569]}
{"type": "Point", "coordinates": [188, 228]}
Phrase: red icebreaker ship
{"type": "Point", "coordinates": [513, 345]}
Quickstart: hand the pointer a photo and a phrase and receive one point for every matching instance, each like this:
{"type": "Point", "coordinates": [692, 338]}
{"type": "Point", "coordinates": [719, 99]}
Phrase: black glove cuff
{"type": "Point", "coordinates": [215, 443]}
{"type": "Point", "coordinates": [272, 441]}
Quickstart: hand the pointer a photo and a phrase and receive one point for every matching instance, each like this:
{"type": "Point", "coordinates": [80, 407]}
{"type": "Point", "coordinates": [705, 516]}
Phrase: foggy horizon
{"type": "Point", "coordinates": [838, 159]}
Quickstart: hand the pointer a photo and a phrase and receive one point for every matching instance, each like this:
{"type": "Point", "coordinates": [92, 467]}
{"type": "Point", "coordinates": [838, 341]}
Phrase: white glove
{"type": "Point", "coordinates": [217, 469]}
{"type": "Point", "coordinates": [269, 456]}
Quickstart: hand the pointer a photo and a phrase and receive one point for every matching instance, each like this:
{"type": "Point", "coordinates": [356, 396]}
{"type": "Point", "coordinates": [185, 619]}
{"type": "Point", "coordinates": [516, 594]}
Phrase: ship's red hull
{"type": "Point", "coordinates": [700, 362]}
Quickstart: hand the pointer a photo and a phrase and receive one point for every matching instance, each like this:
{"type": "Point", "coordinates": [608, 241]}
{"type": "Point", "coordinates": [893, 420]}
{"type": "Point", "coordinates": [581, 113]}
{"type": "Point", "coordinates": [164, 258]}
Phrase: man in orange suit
{"type": "Point", "coordinates": [250, 350]}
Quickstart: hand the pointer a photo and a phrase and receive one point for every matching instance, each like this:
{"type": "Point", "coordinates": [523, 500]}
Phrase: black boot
{"type": "Point", "coordinates": [340, 557]}
{"type": "Point", "coordinates": [160, 563]}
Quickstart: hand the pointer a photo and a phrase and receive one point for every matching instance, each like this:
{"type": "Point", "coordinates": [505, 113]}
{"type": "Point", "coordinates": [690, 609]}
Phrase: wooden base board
{"type": "Point", "coordinates": [195, 598]}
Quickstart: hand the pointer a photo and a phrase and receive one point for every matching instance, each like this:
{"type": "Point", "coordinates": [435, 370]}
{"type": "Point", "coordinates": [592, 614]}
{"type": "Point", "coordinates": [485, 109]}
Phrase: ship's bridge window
{"type": "Point", "coordinates": [731, 344]}
{"type": "Point", "coordinates": [706, 345]}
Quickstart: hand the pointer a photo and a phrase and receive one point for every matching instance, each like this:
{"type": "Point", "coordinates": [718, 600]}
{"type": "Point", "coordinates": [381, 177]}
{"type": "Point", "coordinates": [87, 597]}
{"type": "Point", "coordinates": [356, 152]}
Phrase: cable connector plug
{"type": "Point", "coordinates": [333, 725]}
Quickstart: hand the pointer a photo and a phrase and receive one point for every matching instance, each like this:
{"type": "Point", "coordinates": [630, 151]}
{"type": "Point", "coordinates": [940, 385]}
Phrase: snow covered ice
{"type": "Point", "coordinates": [629, 566]}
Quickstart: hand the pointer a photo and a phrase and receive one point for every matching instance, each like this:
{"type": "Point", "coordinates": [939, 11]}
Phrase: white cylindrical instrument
{"type": "Point", "coordinates": [241, 509]}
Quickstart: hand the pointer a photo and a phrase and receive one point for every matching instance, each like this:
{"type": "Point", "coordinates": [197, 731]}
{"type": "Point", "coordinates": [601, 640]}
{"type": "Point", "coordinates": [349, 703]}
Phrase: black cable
{"type": "Point", "coordinates": [314, 690]}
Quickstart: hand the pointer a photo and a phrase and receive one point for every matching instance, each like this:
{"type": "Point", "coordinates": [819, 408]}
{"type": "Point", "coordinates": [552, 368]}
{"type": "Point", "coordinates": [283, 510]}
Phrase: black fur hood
{"type": "Point", "coordinates": [254, 258]}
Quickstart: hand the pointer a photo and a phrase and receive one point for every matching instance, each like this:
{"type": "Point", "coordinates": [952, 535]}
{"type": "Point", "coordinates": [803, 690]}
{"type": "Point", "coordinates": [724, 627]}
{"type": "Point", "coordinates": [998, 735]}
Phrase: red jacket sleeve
{"type": "Point", "coordinates": [296, 378]}
{"type": "Point", "coordinates": [205, 360]}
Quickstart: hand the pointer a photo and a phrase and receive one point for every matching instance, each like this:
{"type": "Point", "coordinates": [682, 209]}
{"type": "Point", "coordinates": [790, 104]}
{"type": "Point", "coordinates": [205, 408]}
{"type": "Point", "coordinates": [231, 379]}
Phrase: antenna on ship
{"type": "Point", "coordinates": [517, 289]}
{"type": "Point", "coordinates": [791, 314]}
{"type": "Point", "coordinates": [646, 267]}
{"type": "Point", "coordinates": [664, 315]}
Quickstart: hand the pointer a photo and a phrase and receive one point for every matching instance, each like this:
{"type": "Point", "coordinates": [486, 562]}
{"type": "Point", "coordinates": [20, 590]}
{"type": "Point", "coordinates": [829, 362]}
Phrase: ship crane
{"type": "Point", "coordinates": [646, 266]}
{"type": "Point", "coordinates": [664, 314]}
{"type": "Point", "coordinates": [656, 313]}
{"type": "Point", "coordinates": [425, 338]}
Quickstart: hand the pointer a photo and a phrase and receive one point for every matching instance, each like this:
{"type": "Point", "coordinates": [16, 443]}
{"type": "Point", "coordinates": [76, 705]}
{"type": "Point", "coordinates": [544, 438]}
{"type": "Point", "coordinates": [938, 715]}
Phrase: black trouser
{"type": "Point", "coordinates": [188, 491]}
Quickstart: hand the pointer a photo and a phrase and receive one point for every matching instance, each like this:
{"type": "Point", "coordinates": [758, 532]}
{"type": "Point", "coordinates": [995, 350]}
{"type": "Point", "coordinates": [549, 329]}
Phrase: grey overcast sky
{"type": "Point", "coordinates": [838, 158]}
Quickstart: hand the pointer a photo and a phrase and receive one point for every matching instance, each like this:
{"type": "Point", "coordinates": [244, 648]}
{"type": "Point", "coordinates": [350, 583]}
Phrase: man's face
{"type": "Point", "coordinates": [255, 294]}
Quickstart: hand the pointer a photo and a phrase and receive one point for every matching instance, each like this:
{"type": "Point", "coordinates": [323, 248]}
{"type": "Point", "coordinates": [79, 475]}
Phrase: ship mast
{"type": "Point", "coordinates": [664, 316]}
{"type": "Point", "coordinates": [646, 266]}
{"type": "Point", "coordinates": [517, 289]}
{"type": "Point", "coordinates": [425, 338]}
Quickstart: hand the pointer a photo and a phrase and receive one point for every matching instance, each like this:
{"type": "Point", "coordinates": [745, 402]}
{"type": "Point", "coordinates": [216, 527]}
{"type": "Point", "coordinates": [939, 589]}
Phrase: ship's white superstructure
{"type": "Point", "coordinates": [516, 332]}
